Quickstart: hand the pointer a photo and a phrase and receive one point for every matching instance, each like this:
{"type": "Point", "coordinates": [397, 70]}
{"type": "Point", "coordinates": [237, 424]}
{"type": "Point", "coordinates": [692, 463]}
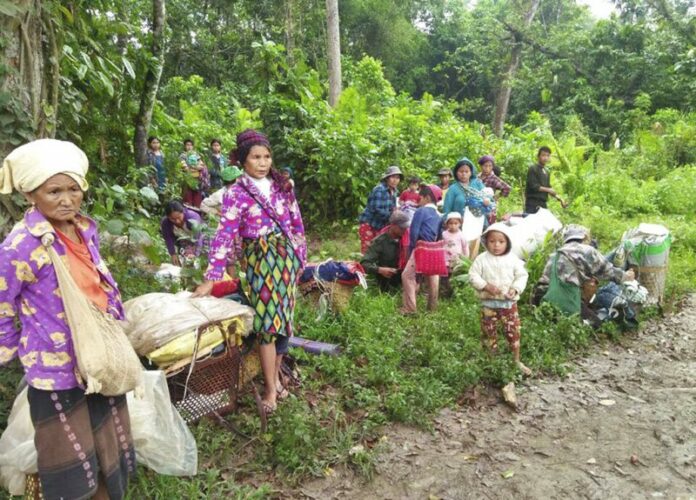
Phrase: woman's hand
{"type": "Point", "coordinates": [492, 289]}
{"type": "Point", "coordinates": [204, 289]}
{"type": "Point", "coordinates": [175, 260]}
{"type": "Point", "coordinates": [486, 202]}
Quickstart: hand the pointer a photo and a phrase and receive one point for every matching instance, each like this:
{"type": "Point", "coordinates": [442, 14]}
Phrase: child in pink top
{"type": "Point", "coordinates": [457, 245]}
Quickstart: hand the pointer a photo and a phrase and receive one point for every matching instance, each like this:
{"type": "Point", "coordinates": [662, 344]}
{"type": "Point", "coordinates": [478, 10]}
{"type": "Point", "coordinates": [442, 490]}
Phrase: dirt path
{"type": "Point", "coordinates": [572, 438]}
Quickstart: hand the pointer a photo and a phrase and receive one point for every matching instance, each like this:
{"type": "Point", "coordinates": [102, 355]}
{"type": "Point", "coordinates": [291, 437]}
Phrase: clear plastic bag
{"type": "Point", "coordinates": [162, 440]}
{"type": "Point", "coordinates": [17, 450]}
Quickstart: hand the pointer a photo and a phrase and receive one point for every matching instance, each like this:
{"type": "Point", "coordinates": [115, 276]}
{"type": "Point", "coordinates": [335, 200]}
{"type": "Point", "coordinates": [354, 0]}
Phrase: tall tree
{"type": "Point", "coordinates": [334, 51]}
{"type": "Point", "coordinates": [151, 85]}
{"type": "Point", "coordinates": [502, 98]}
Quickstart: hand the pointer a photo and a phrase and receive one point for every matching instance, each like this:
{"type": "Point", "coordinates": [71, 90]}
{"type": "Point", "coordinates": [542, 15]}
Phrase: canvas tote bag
{"type": "Point", "coordinates": [106, 360]}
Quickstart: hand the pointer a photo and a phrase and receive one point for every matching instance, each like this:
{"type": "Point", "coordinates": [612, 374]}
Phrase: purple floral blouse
{"type": "Point", "coordinates": [33, 325]}
{"type": "Point", "coordinates": [242, 216]}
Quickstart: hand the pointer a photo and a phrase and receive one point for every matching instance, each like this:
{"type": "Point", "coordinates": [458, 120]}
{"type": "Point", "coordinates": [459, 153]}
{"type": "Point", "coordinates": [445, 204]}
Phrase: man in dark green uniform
{"type": "Point", "coordinates": [539, 184]}
{"type": "Point", "coordinates": [382, 257]}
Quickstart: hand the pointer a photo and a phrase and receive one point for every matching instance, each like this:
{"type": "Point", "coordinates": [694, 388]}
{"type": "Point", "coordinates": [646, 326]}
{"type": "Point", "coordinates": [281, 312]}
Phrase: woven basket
{"type": "Point", "coordinates": [337, 294]}
{"type": "Point", "coordinates": [653, 279]}
{"type": "Point", "coordinates": [209, 386]}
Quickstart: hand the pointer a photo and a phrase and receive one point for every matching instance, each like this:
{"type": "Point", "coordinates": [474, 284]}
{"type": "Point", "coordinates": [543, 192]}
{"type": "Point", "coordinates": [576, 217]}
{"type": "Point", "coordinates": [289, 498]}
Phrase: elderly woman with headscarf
{"type": "Point", "coordinates": [83, 442]}
{"type": "Point", "coordinates": [268, 219]}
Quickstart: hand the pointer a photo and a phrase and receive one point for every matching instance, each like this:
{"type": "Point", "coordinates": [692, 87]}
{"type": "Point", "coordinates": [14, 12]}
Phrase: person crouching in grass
{"type": "Point", "coordinates": [499, 277]}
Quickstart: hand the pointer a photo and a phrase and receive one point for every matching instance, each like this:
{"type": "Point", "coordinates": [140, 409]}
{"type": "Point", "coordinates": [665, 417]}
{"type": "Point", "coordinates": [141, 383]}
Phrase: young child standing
{"type": "Point", "coordinates": [499, 278]}
{"type": "Point", "coordinates": [456, 246]}
{"type": "Point", "coordinates": [426, 225]}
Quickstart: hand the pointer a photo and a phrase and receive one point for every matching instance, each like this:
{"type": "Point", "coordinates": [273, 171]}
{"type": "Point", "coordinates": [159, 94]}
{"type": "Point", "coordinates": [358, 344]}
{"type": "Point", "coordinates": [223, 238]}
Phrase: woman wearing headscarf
{"type": "Point", "coordinates": [466, 191]}
{"type": "Point", "coordinates": [268, 219]}
{"type": "Point", "coordinates": [83, 442]}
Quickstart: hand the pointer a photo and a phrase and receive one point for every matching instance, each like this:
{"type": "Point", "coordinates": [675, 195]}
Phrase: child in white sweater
{"type": "Point", "coordinates": [499, 278]}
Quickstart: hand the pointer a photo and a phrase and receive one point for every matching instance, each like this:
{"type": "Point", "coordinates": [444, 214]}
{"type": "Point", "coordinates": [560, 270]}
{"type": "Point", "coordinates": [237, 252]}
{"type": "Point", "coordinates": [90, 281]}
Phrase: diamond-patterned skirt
{"type": "Point", "coordinates": [271, 271]}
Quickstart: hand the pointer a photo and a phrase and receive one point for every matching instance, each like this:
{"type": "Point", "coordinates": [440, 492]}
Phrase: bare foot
{"type": "Point", "coordinates": [406, 312]}
{"type": "Point", "coordinates": [525, 371]}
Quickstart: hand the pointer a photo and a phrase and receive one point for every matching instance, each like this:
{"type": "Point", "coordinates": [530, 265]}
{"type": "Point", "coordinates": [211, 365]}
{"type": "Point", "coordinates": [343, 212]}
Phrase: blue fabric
{"type": "Point", "coordinates": [456, 199]}
{"type": "Point", "coordinates": [329, 271]}
{"type": "Point", "coordinates": [380, 205]}
{"type": "Point", "coordinates": [426, 226]}
{"type": "Point", "coordinates": [157, 161]}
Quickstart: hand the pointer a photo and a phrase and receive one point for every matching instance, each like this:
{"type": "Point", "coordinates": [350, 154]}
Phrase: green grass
{"type": "Point", "coordinates": [392, 369]}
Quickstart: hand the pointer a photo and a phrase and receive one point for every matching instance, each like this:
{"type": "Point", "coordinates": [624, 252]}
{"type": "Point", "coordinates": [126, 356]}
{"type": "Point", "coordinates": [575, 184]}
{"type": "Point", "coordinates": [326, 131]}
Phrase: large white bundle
{"type": "Point", "coordinates": [529, 233]}
{"type": "Point", "coordinates": [155, 319]}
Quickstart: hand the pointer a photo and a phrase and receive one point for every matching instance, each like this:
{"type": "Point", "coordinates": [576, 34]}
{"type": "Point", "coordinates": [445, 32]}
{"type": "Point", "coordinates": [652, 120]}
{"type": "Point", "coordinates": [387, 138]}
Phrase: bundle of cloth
{"type": "Point", "coordinates": [620, 302]}
{"type": "Point", "coordinates": [346, 273]}
{"type": "Point", "coordinates": [163, 327]}
{"type": "Point", "coordinates": [331, 283]}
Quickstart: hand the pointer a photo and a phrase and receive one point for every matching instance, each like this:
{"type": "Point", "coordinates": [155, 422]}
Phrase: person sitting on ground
{"type": "Point", "coordinates": [287, 176]}
{"type": "Point", "coordinates": [499, 278]}
{"type": "Point", "coordinates": [213, 203]}
{"type": "Point", "coordinates": [181, 229]}
{"type": "Point", "coordinates": [491, 180]}
{"type": "Point", "coordinates": [217, 163]}
{"type": "Point", "coordinates": [425, 226]}
{"type": "Point", "coordinates": [382, 257]}
{"type": "Point", "coordinates": [411, 194]}
{"type": "Point", "coordinates": [380, 205]}
{"type": "Point", "coordinates": [572, 274]}
{"type": "Point", "coordinates": [539, 184]}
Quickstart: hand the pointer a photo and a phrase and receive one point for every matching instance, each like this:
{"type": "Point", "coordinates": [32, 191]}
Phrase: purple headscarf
{"type": "Point", "coordinates": [245, 141]}
{"type": "Point", "coordinates": [486, 158]}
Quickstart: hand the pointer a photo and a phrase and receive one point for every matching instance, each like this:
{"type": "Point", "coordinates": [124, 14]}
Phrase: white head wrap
{"type": "Point", "coordinates": [29, 166]}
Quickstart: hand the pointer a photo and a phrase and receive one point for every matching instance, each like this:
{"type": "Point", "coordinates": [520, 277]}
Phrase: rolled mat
{"type": "Point", "coordinates": [315, 347]}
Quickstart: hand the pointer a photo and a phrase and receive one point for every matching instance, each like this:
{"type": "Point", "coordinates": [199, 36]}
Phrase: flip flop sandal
{"type": "Point", "coordinates": [282, 393]}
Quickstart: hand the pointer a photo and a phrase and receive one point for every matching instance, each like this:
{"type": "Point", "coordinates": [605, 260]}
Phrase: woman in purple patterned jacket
{"type": "Point", "coordinates": [268, 219]}
{"type": "Point", "coordinates": [83, 441]}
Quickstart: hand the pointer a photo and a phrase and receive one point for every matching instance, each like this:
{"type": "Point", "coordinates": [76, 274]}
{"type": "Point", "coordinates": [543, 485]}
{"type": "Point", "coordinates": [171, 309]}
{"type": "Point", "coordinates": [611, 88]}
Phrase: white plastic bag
{"type": "Point", "coordinates": [161, 438]}
{"type": "Point", "coordinates": [155, 319]}
{"type": "Point", "coordinates": [472, 226]}
{"type": "Point", "coordinates": [529, 233]}
{"type": "Point", "coordinates": [17, 451]}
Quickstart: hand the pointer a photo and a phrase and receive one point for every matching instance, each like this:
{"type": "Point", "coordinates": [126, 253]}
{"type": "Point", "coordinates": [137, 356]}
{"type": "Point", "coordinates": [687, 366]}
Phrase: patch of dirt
{"type": "Point", "coordinates": [621, 425]}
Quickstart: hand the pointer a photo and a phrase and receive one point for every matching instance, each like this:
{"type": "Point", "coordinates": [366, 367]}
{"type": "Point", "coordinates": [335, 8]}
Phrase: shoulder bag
{"type": "Point", "coordinates": [106, 360]}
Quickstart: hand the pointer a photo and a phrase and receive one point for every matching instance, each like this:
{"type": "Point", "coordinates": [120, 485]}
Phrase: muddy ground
{"type": "Point", "coordinates": [621, 425]}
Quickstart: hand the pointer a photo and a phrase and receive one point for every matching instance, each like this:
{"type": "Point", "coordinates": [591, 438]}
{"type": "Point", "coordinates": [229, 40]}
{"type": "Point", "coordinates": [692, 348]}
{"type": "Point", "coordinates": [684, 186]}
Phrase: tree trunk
{"type": "Point", "coordinates": [151, 85]}
{"type": "Point", "coordinates": [334, 51]}
{"type": "Point", "coordinates": [289, 32]}
{"type": "Point", "coordinates": [502, 99]}
{"type": "Point", "coordinates": [25, 87]}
